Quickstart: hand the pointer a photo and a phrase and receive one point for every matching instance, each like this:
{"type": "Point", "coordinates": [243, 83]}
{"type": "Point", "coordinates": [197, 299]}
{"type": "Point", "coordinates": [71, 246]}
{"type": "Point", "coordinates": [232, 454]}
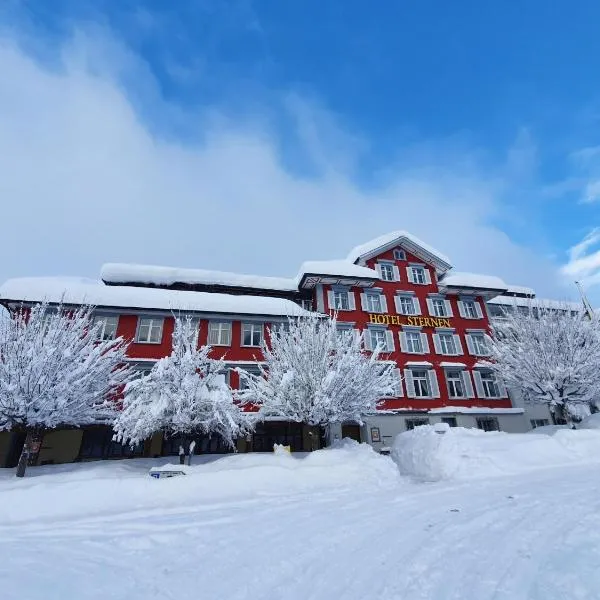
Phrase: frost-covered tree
{"type": "Point", "coordinates": [184, 393]}
{"type": "Point", "coordinates": [552, 355]}
{"type": "Point", "coordinates": [316, 374]}
{"type": "Point", "coordinates": [56, 371]}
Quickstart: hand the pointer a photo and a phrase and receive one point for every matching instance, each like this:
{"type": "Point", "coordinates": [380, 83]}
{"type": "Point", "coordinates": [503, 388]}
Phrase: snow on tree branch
{"type": "Point", "coordinates": [184, 393]}
{"type": "Point", "coordinates": [318, 375]}
{"type": "Point", "coordinates": [552, 355]}
{"type": "Point", "coordinates": [55, 371]}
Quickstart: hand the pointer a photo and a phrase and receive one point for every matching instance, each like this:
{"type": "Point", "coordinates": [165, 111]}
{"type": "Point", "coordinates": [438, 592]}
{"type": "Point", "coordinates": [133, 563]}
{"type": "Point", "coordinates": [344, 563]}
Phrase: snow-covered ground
{"type": "Point", "coordinates": [335, 524]}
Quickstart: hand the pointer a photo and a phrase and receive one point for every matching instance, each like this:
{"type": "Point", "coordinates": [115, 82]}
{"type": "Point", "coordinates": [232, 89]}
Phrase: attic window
{"type": "Point", "coordinates": [399, 254]}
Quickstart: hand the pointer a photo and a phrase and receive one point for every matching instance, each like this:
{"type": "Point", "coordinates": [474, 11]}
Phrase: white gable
{"type": "Point", "coordinates": [408, 241]}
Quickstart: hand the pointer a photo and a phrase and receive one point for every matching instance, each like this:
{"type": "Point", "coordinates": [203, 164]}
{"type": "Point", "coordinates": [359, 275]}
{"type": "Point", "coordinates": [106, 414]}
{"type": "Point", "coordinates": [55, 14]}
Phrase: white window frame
{"type": "Point", "coordinates": [414, 342]}
{"type": "Point", "coordinates": [152, 324]}
{"type": "Point", "coordinates": [221, 328]}
{"type": "Point", "coordinates": [406, 347]}
{"type": "Point", "coordinates": [453, 378]}
{"type": "Point", "coordinates": [387, 271]}
{"type": "Point", "coordinates": [467, 314]}
{"type": "Point", "coordinates": [349, 294]}
{"type": "Point", "coordinates": [370, 342]}
{"type": "Point", "coordinates": [399, 254]}
{"type": "Point", "coordinates": [479, 421]}
{"type": "Point", "coordinates": [416, 273]}
{"type": "Point", "coordinates": [446, 307]}
{"type": "Point", "coordinates": [483, 390]}
{"type": "Point", "coordinates": [105, 320]}
{"type": "Point", "coordinates": [254, 327]}
{"type": "Point", "coordinates": [416, 306]}
{"type": "Point", "coordinates": [367, 299]}
{"type": "Point", "coordinates": [432, 382]}
{"type": "Point", "coordinates": [473, 345]}
{"type": "Point", "coordinates": [415, 422]}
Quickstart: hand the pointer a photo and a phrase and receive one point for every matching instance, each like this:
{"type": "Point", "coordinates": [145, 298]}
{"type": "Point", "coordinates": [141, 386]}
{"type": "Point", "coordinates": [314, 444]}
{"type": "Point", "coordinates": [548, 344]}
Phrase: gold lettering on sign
{"type": "Point", "coordinates": [379, 319]}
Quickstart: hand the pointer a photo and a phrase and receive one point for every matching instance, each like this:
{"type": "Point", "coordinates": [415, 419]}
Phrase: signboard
{"type": "Point", "coordinates": [410, 321]}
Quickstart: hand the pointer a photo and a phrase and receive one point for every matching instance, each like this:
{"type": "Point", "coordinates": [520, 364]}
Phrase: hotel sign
{"type": "Point", "coordinates": [409, 321]}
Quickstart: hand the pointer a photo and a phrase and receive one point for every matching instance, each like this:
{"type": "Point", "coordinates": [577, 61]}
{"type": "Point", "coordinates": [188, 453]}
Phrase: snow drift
{"type": "Point", "coordinates": [74, 490]}
{"type": "Point", "coordinates": [434, 453]}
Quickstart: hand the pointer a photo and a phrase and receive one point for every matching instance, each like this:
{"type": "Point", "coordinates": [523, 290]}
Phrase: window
{"type": "Point", "coordinates": [341, 332]}
{"type": "Point", "coordinates": [373, 302]}
{"type": "Point", "coordinates": [488, 424]}
{"type": "Point", "coordinates": [438, 307]}
{"type": "Point", "coordinates": [414, 342]}
{"type": "Point", "coordinates": [418, 274]}
{"type": "Point", "coordinates": [449, 421]}
{"type": "Point", "coordinates": [477, 344]}
{"type": "Point", "coordinates": [407, 305]}
{"type": "Point", "coordinates": [387, 272]}
{"type": "Point", "coordinates": [149, 331]}
{"type": "Point", "coordinates": [470, 308]}
{"type": "Point", "coordinates": [399, 254]}
{"type": "Point", "coordinates": [412, 423]}
{"type": "Point", "coordinates": [378, 338]}
{"type": "Point", "coordinates": [447, 344]}
{"type": "Point", "coordinates": [219, 333]}
{"type": "Point", "coordinates": [243, 380]}
{"type": "Point", "coordinates": [107, 327]}
{"type": "Point", "coordinates": [307, 304]}
{"type": "Point", "coordinates": [252, 334]}
{"type": "Point", "coordinates": [455, 383]}
{"type": "Point", "coordinates": [340, 300]}
{"type": "Point", "coordinates": [490, 385]}
{"type": "Point", "coordinates": [539, 423]}
{"type": "Point", "coordinates": [421, 384]}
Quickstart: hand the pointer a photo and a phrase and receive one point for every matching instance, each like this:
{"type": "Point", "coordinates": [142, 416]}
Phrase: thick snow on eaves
{"type": "Point", "coordinates": [536, 302]}
{"type": "Point", "coordinates": [389, 238]}
{"type": "Point", "coordinates": [342, 268]}
{"type": "Point", "coordinates": [475, 410]}
{"type": "Point", "coordinates": [519, 289]}
{"type": "Point", "coordinates": [473, 280]}
{"type": "Point", "coordinates": [156, 275]}
{"type": "Point", "coordinates": [69, 291]}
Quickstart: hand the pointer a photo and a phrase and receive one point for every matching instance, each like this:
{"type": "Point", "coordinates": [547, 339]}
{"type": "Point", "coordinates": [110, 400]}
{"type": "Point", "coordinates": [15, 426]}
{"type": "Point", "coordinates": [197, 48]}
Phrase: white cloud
{"type": "Point", "coordinates": [86, 181]}
{"type": "Point", "coordinates": [584, 259]}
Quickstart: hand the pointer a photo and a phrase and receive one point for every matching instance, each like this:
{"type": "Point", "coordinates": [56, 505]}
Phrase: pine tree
{"type": "Point", "coordinates": [551, 355]}
{"type": "Point", "coordinates": [184, 393]}
{"type": "Point", "coordinates": [315, 374]}
{"type": "Point", "coordinates": [55, 371]}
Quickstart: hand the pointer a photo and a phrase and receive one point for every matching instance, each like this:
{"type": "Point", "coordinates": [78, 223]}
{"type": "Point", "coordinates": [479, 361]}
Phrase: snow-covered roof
{"type": "Point", "coordinates": [342, 268]}
{"type": "Point", "coordinates": [475, 410]}
{"type": "Point", "coordinates": [156, 275]}
{"type": "Point", "coordinates": [536, 302]}
{"type": "Point", "coordinates": [86, 291]}
{"type": "Point", "coordinates": [519, 289]}
{"type": "Point", "coordinates": [397, 238]}
{"type": "Point", "coordinates": [473, 280]}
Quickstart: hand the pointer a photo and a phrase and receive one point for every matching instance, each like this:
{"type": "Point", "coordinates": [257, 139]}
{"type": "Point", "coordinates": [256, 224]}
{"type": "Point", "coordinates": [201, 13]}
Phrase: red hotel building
{"type": "Point", "coordinates": [397, 289]}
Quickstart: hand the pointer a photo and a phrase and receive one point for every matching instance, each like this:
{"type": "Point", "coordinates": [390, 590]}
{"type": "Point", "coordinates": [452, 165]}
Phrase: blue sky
{"type": "Point", "coordinates": [250, 136]}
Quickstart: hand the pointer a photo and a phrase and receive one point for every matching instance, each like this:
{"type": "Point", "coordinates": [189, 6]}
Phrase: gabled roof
{"type": "Point", "coordinates": [401, 238]}
{"type": "Point", "coordinates": [56, 290]}
{"type": "Point", "coordinates": [121, 273]}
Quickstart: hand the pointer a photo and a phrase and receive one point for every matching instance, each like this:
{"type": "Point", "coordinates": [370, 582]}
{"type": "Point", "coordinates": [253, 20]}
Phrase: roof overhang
{"type": "Point", "coordinates": [311, 280]}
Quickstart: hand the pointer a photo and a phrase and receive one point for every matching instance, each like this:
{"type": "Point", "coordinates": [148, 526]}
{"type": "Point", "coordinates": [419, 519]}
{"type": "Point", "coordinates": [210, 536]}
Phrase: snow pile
{"type": "Point", "coordinates": [340, 268]}
{"type": "Point", "coordinates": [590, 422]}
{"type": "Point", "coordinates": [458, 453]}
{"type": "Point", "coordinates": [76, 490]}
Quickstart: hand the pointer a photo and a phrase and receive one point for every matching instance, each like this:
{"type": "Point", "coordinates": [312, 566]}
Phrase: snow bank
{"type": "Point", "coordinates": [68, 491]}
{"type": "Point", "coordinates": [590, 422]}
{"type": "Point", "coordinates": [458, 453]}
